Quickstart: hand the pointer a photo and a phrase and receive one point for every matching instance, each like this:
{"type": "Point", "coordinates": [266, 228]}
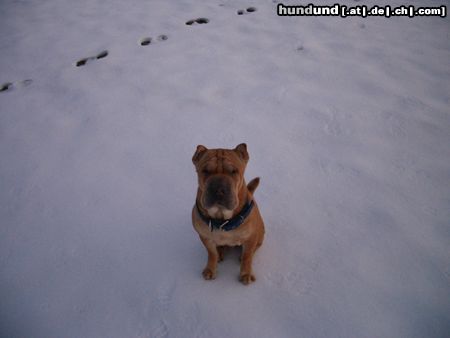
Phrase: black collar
{"type": "Point", "coordinates": [229, 224]}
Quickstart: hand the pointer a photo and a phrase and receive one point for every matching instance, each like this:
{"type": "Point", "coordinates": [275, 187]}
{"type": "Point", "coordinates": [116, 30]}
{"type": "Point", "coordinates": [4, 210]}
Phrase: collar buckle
{"type": "Point", "coordinates": [223, 224]}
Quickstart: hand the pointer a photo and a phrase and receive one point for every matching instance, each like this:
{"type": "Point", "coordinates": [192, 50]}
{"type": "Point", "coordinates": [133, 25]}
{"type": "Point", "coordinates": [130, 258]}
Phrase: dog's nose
{"type": "Point", "coordinates": [220, 192]}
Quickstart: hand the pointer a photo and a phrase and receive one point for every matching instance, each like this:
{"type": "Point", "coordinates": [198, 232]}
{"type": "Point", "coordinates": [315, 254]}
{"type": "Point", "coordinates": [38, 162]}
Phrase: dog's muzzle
{"type": "Point", "coordinates": [219, 192]}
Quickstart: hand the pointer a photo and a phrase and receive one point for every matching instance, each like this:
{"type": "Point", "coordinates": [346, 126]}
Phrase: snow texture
{"type": "Point", "coordinates": [347, 122]}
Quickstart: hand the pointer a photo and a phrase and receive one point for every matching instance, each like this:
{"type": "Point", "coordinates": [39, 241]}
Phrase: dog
{"type": "Point", "coordinates": [225, 212]}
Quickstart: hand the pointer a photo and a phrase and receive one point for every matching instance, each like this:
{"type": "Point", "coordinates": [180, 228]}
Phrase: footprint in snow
{"type": "Point", "coordinates": [160, 330]}
{"type": "Point", "coordinates": [164, 297]}
{"type": "Point", "coordinates": [246, 11]}
{"type": "Point", "coordinates": [8, 86]}
{"type": "Point", "coordinates": [199, 21]}
{"type": "Point", "coordinates": [85, 61]}
{"type": "Point", "coordinates": [147, 41]}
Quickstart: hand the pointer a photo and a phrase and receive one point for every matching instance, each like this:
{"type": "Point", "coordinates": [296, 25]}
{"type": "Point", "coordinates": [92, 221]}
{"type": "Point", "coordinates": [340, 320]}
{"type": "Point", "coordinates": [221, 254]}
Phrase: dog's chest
{"type": "Point", "coordinates": [225, 238]}
{"type": "Point", "coordinates": [219, 237]}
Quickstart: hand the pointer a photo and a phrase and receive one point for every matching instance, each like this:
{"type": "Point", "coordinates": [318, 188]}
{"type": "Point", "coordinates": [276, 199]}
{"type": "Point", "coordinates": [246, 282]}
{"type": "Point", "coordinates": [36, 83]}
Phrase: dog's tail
{"type": "Point", "coordinates": [252, 185]}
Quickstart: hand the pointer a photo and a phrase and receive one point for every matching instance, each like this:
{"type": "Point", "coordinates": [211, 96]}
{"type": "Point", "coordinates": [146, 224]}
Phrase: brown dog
{"type": "Point", "coordinates": [225, 213]}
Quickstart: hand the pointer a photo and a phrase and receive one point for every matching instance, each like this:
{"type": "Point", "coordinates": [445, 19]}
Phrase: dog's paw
{"type": "Point", "coordinates": [208, 274]}
{"type": "Point", "coordinates": [247, 278]}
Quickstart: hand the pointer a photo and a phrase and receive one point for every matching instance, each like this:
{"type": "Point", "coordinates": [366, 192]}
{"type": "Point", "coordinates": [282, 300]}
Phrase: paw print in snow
{"type": "Point", "coordinates": [85, 61]}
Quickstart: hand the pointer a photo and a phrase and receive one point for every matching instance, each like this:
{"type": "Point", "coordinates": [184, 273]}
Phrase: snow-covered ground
{"type": "Point", "coordinates": [347, 122]}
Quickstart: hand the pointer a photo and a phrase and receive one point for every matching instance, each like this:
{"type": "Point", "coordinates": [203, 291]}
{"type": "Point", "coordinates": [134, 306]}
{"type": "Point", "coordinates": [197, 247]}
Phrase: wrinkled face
{"type": "Point", "coordinates": [220, 177]}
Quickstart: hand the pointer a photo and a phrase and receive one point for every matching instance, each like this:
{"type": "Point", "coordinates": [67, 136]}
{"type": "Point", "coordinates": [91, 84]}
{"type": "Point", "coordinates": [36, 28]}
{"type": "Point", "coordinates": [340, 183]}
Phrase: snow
{"type": "Point", "coordinates": [347, 122]}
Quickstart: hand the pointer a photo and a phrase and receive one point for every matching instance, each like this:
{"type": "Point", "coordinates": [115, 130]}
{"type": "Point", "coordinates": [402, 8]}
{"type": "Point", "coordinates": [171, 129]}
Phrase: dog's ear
{"type": "Point", "coordinates": [198, 153]}
{"type": "Point", "coordinates": [241, 150]}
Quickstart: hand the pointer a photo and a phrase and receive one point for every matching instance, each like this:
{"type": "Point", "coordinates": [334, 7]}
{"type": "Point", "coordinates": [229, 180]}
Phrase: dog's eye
{"type": "Point", "coordinates": [234, 172]}
{"type": "Point", "coordinates": [205, 172]}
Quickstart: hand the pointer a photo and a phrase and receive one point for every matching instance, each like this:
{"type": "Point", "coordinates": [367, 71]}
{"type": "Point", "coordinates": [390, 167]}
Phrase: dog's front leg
{"type": "Point", "coordinates": [246, 276]}
{"type": "Point", "coordinates": [209, 272]}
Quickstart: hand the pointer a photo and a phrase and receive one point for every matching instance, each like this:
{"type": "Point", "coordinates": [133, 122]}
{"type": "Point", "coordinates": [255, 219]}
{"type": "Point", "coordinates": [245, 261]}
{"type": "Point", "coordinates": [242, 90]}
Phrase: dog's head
{"type": "Point", "coordinates": [220, 178]}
